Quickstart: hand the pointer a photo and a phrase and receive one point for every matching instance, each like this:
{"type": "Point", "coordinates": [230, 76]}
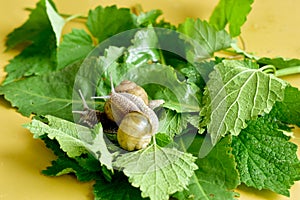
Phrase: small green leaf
{"type": "Point", "coordinates": [74, 47]}
{"type": "Point", "coordinates": [205, 40]}
{"type": "Point", "coordinates": [56, 21]}
{"type": "Point", "coordinates": [232, 12]}
{"type": "Point", "coordinates": [146, 18]}
{"type": "Point", "coordinates": [235, 93]}
{"type": "Point", "coordinates": [102, 25]}
{"type": "Point", "coordinates": [265, 157]}
{"type": "Point", "coordinates": [279, 62]}
{"type": "Point", "coordinates": [158, 172]}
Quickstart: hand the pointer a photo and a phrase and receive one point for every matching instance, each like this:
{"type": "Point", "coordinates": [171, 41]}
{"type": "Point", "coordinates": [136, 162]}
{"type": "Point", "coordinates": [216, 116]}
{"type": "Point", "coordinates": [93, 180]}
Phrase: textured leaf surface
{"type": "Point", "coordinates": [288, 111]}
{"type": "Point", "coordinates": [232, 12]}
{"type": "Point", "coordinates": [204, 38]}
{"type": "Point", "coordinates": [40, 56]}
{"type": "Point", "coordinates": [102, 25]}
{"type": "Point", "coordinates": [74, 139]}
{"type": "Point", "coordinates": [75, 46]}
{"type": "Point", "coordinates": [118, 188]}
{"type": "Point", "coordinates": [265, 157]}
{"type": "Point", "coordinates": [158, 172]}
{"type": "Point", "coordinates": [46, 94]}
{"type": "Point", "coordinates": [236, 93]}
{"type": "Point", "coordinates": [217, 175]}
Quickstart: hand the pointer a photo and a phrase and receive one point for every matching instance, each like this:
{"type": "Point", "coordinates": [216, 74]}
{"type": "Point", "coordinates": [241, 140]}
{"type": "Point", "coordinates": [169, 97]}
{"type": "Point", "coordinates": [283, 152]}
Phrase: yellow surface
{"type": "Point", "coordinates": [272, 29]}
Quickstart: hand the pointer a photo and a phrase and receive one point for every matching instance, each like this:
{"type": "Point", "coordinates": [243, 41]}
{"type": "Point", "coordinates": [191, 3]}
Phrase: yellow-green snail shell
{"type": "Point", "coordinates": [135, 131]}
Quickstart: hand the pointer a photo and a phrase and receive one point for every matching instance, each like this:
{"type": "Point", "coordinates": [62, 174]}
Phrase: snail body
{"type": "Point", "coordinates": [137, 121]}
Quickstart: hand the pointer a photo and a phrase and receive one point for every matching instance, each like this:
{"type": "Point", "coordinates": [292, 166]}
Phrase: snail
{"type": "Point", "coordinates": [128, 108]}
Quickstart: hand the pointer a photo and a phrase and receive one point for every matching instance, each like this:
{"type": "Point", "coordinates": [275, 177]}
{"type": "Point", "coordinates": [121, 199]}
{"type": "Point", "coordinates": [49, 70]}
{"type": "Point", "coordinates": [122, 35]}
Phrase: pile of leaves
{"type": "Point", "coordinates": [231, 123]}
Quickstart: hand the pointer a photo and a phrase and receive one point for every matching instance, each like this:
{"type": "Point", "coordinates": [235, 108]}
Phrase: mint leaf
{"type": "Point", "coordinates": [265, 157]}
{"type": "Point", "coordinates": [232, 12]}
{"type": "Point", "coordinates": [57, 22]}
{"type": "Point", "coordinates": [102, 25]}
{"type": "Point", "coordinates": [158, 172]}
{"type": "Point", "coordinates": [107, 190]}
{"type": "Point", "coordinates": [205, 40]}
{"type": "Point", "coordinates": [46, 94]}
{"type": "Point", "coordinates": [288, 111]}
{"type": "Point", "coordinates": [74, 139]}
{"type": "Point", "coordinates": [75, 46]}
{"type": "Point", "coordinates": [235, 93]}
{"type": "Point", "coordinates": [217, 175]}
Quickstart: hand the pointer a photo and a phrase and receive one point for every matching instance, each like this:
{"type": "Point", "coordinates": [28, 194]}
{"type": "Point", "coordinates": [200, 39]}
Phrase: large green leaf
{"type": "Point", "coordinates": [40, 56]}
{"type": "Point", "coordinates": [236, 93]}
{"type": "Point", "coordinates": [46, 94]}
{"type": "Point", "coordinates": [75, 46]}
{"type": "Point", "coordinates": [232, 12]}
{"type": "Point", "coordinates": [158, 172]}
{"type": "Point", "coordinates": [265, 157]}
{"type": "Point", "coordinates": [204, 39]}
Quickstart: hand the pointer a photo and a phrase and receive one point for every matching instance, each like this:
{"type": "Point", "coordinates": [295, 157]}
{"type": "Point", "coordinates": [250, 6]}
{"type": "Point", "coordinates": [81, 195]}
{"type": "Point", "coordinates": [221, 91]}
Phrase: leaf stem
{"type": "Point", "coordinates": [287, 71]}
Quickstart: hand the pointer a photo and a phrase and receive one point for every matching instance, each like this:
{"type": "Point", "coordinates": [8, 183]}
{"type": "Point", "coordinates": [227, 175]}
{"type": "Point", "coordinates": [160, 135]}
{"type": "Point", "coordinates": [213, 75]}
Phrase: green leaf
{"type": "Point", "coordinates": [37, 25]}
{"type": "Point", "coordinates": [288, 111]}
{"type": "Point", "coordinates": [144, 48]}
{"type": "Point", "coordinates": [102, 25]}
{"type": "Point", "coordinates": [85, 168]}
{"type": "Point", "coordinates": [232, 12]}
{"type": "Point", "coordinates": [158, 172]}
{"type": "Point", "coordinates": [46, 94]}
{"type": "Point", "coordinates": [57, 22]}
{"type": "Point", "coordinates": [205, 40]}
{"type": "Point", "coordinates": [107, 190]}
{"type": "Point", "coordinates": [236, 93]}
{"type": "Point", "coordinates": [66, 133]}
{"type": "Point", "coordinates": [161, 82]}
{"type": "Point", "coordinates": [171, 122]}
{"type": "Point", "coordinates": [74, 139]}
{"type": "Point", "coordinates": [279, 62]}
{"type": "Point", "coordinates": [146, 18]}
{"type": "Point", "coordinates": [265, 157]}
{"type": "Point", "coordinates": [74, 47]}
{"type": "Point", "coordinates": [217, 175]}
{"type": "Point", "coordinates": [38, 58]}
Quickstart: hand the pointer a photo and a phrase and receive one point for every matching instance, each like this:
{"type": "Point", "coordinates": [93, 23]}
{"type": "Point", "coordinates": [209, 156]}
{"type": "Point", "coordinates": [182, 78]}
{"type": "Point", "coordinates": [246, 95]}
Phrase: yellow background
{"type": "Point", "coordinates": [272, 30]}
